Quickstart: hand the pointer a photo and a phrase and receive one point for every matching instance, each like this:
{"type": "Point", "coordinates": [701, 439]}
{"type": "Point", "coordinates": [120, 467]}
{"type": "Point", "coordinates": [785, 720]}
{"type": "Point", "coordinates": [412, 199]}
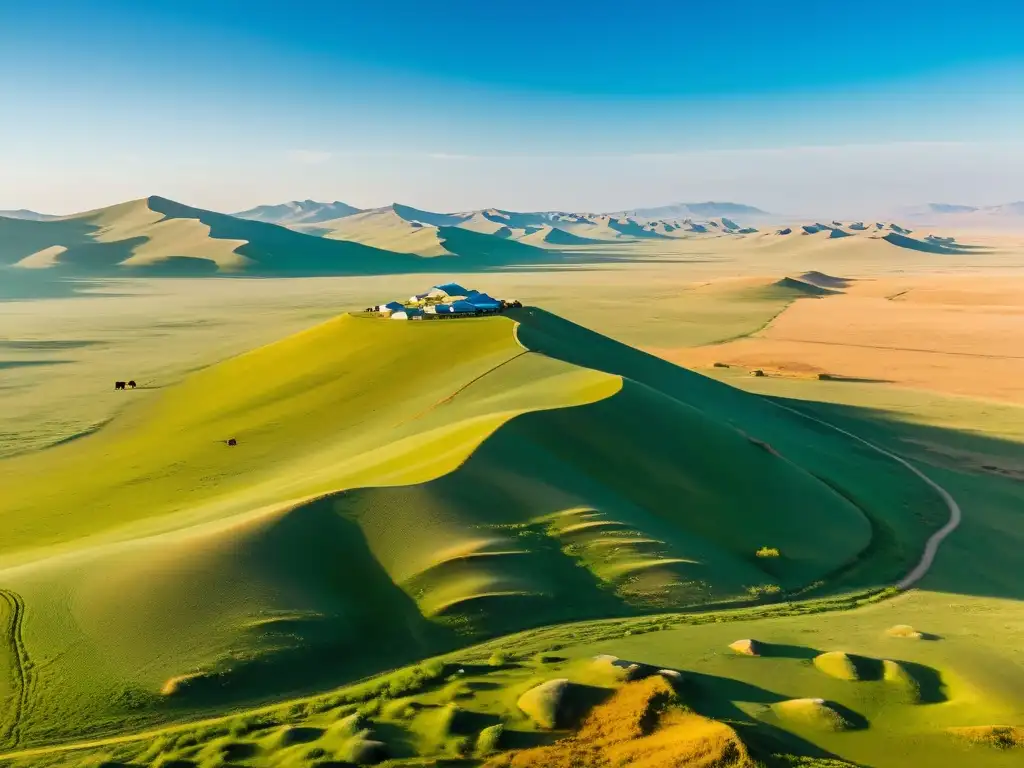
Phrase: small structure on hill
{"type": "Point", "coordinates": [391, 306]}
{"type": "Point", "coordinates": [444, 301]}
{"type": "Point", "coordinates": [447, 291]}
{"type": "Point", "coordinates": [483, 301]}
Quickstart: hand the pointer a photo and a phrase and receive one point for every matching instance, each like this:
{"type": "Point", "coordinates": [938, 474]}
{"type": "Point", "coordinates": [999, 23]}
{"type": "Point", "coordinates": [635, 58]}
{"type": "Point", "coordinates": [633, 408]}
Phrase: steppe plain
{"type": "Point", "coordinates": [424, 521]}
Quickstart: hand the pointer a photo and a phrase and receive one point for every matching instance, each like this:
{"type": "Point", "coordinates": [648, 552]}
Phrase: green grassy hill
{"type": "Point", "coordinates": [399, 489]}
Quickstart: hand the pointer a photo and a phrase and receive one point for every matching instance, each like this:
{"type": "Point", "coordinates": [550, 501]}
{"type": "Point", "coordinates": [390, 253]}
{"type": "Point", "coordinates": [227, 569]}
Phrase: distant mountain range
{"type": "Point", "coordinates": [298, 212]}
{"type": "Point", "coordinates": [157, 236]}
{"type": "Point", "coordinates": [27, 215]}
{"type": "Point", "coordinates": [699, 211]}
{"type": "Point", "coordinates": [412, 230]}
{"type": "Point", "coordinates": [1006, 215]}
{"type": "Point", "coordinates": [311, 212]}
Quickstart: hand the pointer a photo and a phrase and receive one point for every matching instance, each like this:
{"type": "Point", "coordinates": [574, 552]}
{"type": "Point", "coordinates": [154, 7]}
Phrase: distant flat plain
{"type": "Point", "coordinates": [930, 322]}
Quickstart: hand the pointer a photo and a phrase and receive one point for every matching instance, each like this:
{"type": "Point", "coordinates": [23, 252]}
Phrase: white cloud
{"type": "Point", "coordinates": [308, 157]}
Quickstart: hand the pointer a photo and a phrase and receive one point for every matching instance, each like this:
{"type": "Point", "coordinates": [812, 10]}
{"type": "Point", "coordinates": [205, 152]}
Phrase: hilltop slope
{"type": "Point", "coordinates": [400, 488]}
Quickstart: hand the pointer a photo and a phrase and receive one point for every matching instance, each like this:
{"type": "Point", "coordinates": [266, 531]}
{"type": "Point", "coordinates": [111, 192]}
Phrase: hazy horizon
{"type": "Point", "coordinates": [798, 111]}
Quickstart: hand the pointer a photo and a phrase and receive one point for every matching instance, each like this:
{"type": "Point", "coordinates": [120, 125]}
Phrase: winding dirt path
{"type": "Point", "coordinates": [11, 729]}
{"type": "Point", "coordinates": [931, 547]}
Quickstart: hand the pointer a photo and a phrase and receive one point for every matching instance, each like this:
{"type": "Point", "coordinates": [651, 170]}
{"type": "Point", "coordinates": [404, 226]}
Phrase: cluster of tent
{"type": "Point", "coordinates": [443, 300]}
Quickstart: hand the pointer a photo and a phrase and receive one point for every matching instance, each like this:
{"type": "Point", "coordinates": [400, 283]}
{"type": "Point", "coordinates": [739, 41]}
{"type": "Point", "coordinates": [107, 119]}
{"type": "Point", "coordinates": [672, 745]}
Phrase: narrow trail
{"type": "Point", "coordinates": [467, 385]}
{"type": "Point", "coordinates": [11, 732]}
{"type": "Point", "coordinates": [931, 547]}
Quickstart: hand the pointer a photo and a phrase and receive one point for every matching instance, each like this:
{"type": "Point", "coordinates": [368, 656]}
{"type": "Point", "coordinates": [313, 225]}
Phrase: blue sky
{"type": "Point", "coordinates": [787, 105]}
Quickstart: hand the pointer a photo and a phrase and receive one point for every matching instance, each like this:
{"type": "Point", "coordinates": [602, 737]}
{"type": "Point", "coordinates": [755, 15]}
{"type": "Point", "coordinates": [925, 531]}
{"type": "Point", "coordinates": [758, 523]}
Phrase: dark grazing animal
{"type": "Point", "coordinates": [119, 385]}
{"type": "Point", "coordinates": [131, 384]}
{"type": "Point", "coordinates": [232, 441]}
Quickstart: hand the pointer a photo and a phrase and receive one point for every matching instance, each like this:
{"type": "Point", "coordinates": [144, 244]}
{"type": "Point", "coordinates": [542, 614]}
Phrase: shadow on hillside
{"type": "Point", "coordinates": [784, 651]}
{"type": "Point", "coordinates": [714, 696]}
{"type": "Point", "coordinates": [983, 473]}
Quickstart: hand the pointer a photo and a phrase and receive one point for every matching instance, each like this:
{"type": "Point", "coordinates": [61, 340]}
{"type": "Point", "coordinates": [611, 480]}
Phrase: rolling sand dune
{"type": "Point", "coordinates": [395, 228]}
{"type": "Point", "coordinates": [385, 228]}
{"type": "Point", "coordinates": [159, 236]}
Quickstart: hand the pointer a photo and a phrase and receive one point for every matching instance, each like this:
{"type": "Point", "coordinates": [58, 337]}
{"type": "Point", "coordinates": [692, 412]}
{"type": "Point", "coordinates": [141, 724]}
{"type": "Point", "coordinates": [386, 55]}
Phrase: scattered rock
{"type": "Point", "coordinates": [746, 647]}
{"type": "Point", "coordinates": [673, 676]}
{"type": "Point", "coordinates": [622, 669]}
{"type": "Point", "coordinates": [905, 631]}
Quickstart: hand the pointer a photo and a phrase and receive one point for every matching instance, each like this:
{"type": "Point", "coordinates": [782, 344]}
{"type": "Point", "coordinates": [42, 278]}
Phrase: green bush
{"type": "Point", "coordinates": [489, 740]}
{"type": "Point", "coordinates": [762, 590]}
{"type": "Point", "coordinates": [768, 552]}
{"type": "Point", "coordinates": [498, 659]}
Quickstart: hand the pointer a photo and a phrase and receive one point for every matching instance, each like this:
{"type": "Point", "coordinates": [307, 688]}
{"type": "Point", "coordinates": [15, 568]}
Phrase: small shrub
{"type": "Point", "coordinates": [489, 740]}
{"type": "Point", "coordinates": [498, 659]}
{"type": "Point", "coordinates": [762, 590]}
{"type": "Point", "coordinates": [370, 708]}
{"type": "Point", "coordinates": [316, 753]}
{"type": "Point", "coordinates": [768, 552]}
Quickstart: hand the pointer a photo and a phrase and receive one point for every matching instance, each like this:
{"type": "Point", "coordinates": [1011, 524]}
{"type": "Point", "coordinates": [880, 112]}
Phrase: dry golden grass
{"type": "Point", "coordinates": [639, 726]}
{"type": "Point", "coordinates": [943, 333]}
{"type": "Point", "coordinates": [180, 684]}
{"type": "Point", "coordinates": [904, 631]}
{"type": "Point", "coordinates": [746, 647]}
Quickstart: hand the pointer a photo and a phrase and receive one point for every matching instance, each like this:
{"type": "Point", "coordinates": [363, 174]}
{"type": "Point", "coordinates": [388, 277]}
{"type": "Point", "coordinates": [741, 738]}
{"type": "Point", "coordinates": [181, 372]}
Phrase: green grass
{"type": "Point", "coordinates": [399, 489]}
{"type": "Point", "coordinates": [166, 555]}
